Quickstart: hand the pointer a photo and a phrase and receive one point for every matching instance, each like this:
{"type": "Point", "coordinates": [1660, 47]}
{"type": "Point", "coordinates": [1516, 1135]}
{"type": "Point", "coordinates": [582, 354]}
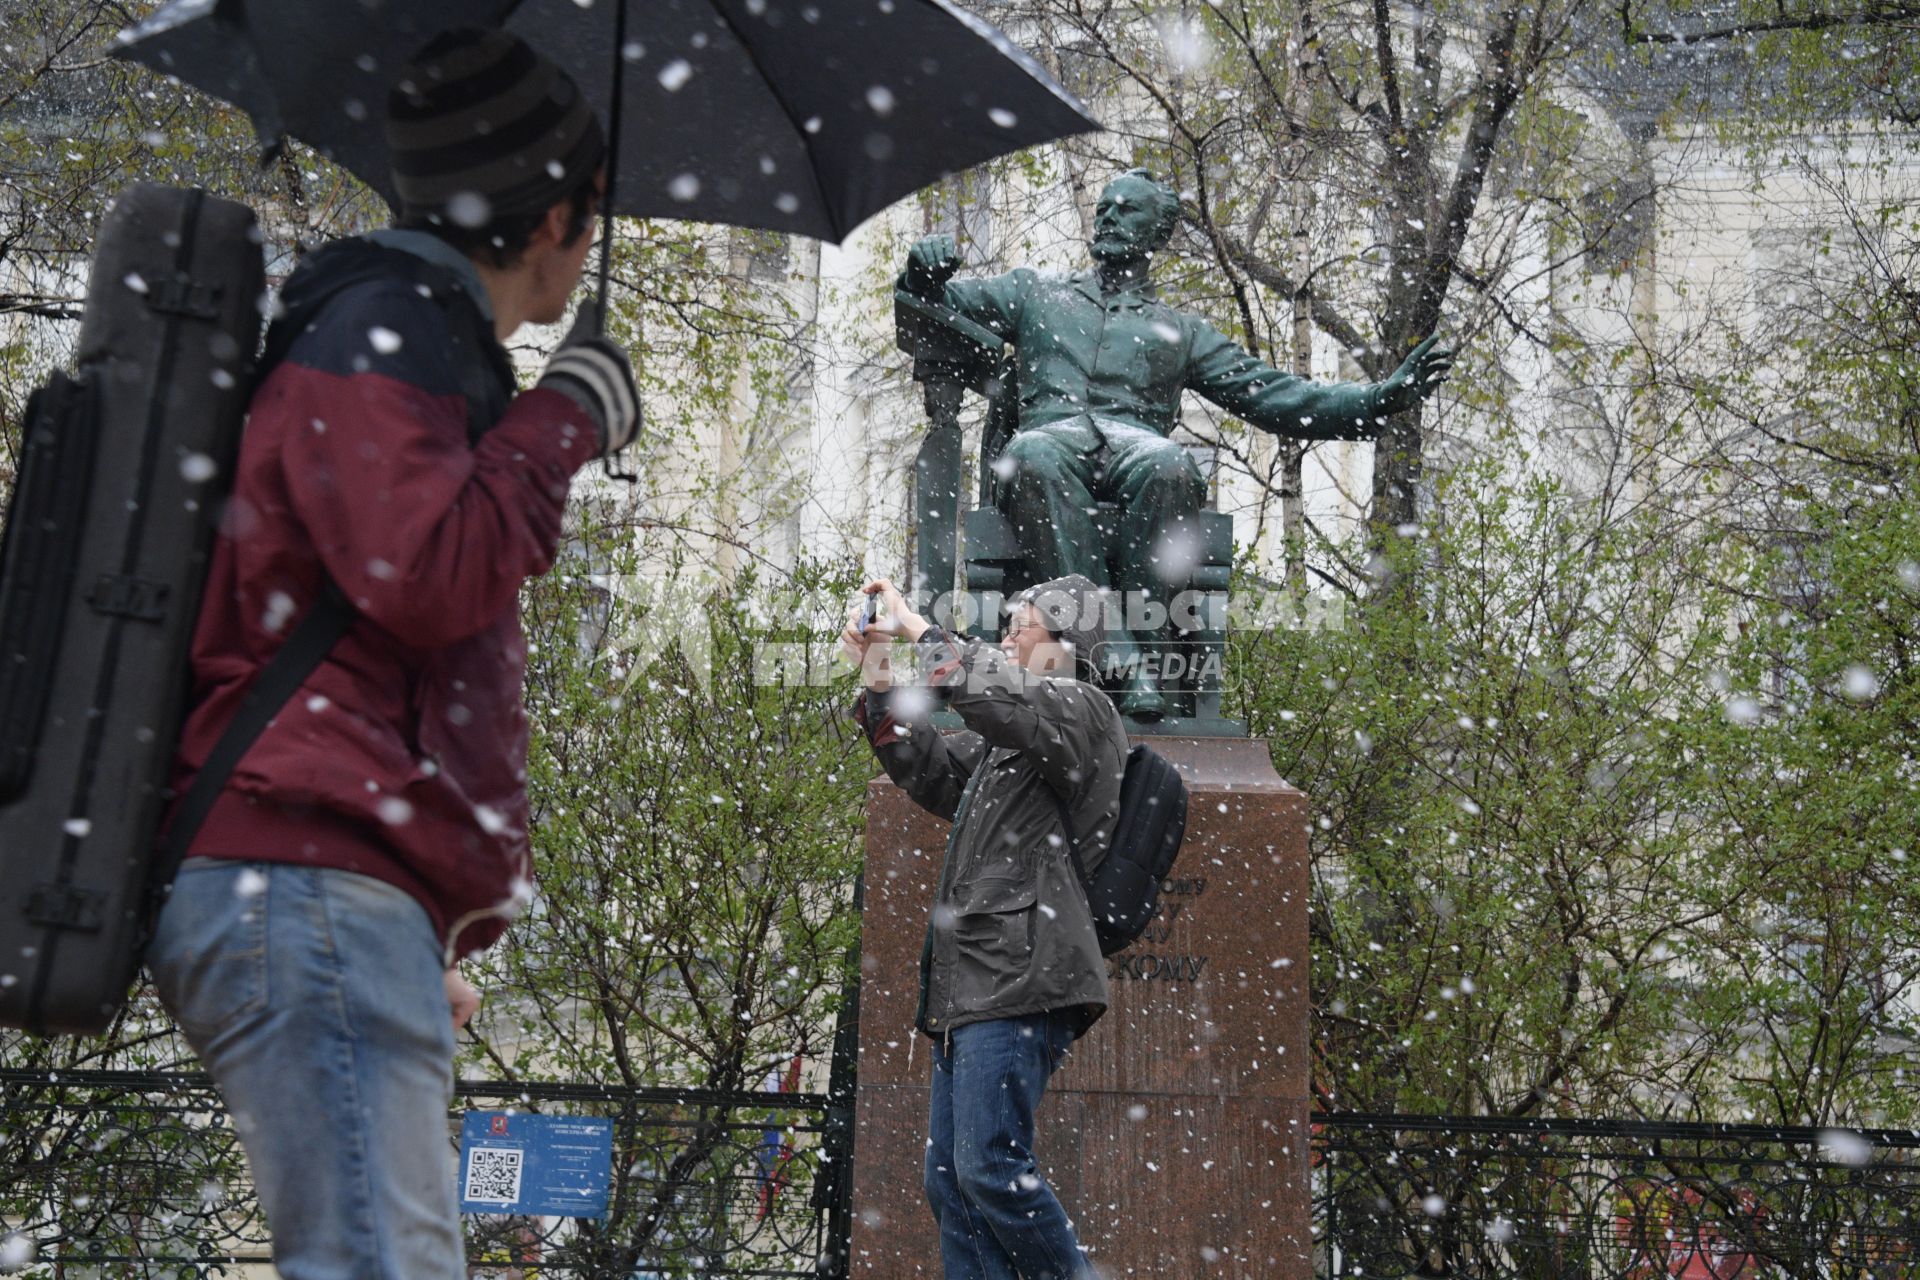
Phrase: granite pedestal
{"type": "Point", "coordinates": [1176, 1134]}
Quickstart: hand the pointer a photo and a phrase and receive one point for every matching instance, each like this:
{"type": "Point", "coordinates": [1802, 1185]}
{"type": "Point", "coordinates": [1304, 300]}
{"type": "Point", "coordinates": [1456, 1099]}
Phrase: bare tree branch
{"type": "Point", "coordinates": [1325, 314]}
{"type": "Point", "coordinates": [1819, 21]}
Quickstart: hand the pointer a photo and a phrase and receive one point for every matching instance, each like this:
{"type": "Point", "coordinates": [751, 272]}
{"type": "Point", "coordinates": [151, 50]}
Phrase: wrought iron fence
{"type": "Point", "coordinates": [1612, 1200]}
{"type": "Point", "coordinates": [140, 1174]}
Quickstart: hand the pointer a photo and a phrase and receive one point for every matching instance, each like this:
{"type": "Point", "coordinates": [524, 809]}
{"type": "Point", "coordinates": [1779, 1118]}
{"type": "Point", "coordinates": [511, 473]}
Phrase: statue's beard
{"type": "Point", "coordinates": [1116, 249]}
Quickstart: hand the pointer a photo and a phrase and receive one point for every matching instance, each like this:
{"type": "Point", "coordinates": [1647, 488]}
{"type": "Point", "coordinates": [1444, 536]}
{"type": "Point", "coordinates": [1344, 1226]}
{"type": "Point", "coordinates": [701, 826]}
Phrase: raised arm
{"type": "Point", "coordinates": [357, 423]}
{"type": "Point", "coordinates": [1057, 723]}
{"type": "Point", "coordinates": [994, 302]}
{"type": "Point", "coordinates": [1289, 405]}
{"type": "Point", "coordinates": [931, 767]}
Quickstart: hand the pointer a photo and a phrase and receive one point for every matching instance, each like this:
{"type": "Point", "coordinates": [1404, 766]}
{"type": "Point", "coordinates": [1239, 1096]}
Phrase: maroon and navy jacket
{"type": "Point", "coordinates": [403, 756]}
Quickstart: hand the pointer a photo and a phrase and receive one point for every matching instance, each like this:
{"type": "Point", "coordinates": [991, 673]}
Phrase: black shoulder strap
{"type": "Point", "coordinates": [277, 682]}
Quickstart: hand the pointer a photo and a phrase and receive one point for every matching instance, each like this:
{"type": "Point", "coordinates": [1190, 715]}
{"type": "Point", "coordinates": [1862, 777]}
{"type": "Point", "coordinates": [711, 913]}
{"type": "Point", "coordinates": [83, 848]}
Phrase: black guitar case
{"type": "Point", "coordinates": [124, 467]}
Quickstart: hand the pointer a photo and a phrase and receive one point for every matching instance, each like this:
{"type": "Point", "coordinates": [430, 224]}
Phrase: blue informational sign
{"type": "Point", "coordinates": [513, 1162]}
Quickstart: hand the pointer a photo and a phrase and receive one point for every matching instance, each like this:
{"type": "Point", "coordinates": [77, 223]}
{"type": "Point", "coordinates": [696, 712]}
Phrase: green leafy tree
{"type": "Point", "coordinates": [1817, 961]}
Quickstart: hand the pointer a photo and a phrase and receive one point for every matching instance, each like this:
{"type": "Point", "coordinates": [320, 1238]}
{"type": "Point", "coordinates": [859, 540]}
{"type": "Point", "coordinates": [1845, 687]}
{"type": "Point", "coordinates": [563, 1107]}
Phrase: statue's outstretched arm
{"type": "Point", "coordinates": [1276, 401]}
{"type": "Point", "coordinates": [1287, 405]}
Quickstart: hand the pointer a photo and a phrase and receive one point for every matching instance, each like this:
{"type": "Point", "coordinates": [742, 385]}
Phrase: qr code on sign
{"type": "Point", "coordinates": [493, 1175]}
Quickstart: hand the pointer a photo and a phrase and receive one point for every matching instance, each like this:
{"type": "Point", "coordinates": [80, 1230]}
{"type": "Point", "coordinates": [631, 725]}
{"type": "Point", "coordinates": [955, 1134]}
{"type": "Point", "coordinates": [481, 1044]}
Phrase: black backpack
{"type": "Point", "coordinates": [1123, 893]}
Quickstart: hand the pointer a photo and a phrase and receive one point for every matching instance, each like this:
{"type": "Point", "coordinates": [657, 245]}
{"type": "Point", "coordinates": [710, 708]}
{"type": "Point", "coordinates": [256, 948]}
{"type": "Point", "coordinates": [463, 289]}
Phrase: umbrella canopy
{"type": "Point", "coordinates": [800, 116]}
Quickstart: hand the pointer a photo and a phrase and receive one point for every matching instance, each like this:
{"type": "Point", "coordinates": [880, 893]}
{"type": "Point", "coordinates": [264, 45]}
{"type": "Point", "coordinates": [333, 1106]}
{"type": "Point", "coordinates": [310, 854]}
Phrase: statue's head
{"type": "Point", "coordinates": [1136, 216]}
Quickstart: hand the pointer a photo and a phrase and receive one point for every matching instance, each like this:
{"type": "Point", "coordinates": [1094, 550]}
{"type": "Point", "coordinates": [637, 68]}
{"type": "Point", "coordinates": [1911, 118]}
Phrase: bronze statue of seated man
{"type": "Point", "coordinates": [1100, 366]}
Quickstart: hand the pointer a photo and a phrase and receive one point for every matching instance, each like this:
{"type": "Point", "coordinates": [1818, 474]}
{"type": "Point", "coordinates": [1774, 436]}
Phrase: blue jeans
{"type": "Point", "coordinates": [998, 1218]}
{"type": "Point", "coordinates": [315, 1000]}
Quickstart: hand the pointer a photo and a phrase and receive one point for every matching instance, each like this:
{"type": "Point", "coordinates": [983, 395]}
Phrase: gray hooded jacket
{"type": "Point", "coordinates": [1011, 933]}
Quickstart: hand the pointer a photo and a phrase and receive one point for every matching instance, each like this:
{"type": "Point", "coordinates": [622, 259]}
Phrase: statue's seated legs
{"type": "Point", "coordinates": [1159, 490]}
{"type": "Point", "coordinates": [1044, 482]}
{"type": "Point", "coordinates": [1049, 480]}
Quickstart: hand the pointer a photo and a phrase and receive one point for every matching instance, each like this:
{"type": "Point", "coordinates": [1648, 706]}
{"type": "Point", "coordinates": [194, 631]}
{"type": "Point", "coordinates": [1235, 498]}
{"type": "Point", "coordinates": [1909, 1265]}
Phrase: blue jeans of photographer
{"type": "Point", "coordinates": [316, 1001]}
{"type": "Point", "coordinates": [999, 1220]}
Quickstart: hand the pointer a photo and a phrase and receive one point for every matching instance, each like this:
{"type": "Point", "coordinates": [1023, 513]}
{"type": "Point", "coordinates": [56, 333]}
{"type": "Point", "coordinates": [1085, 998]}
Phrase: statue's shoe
{"type": "Point", "coordinates": [1144, 703]}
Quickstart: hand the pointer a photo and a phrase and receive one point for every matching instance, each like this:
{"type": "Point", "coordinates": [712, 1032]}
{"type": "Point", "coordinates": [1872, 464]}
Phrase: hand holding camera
{"type": "Point", "coordinates": [880, 616]}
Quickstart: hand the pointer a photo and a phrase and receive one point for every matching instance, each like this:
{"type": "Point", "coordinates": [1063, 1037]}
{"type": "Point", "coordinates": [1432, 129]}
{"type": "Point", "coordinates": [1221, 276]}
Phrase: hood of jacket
{"type": "Point", "coordinates": [1075, 610]}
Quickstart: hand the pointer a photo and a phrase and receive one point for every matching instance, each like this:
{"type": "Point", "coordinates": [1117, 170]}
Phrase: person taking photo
{"type": "Point", "coordinates": [1011, 972]}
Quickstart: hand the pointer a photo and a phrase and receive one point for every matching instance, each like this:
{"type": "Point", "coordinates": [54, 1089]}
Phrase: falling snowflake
{"type": "Point", "coordinates": [1846, 1146]}
{"type": "Point", "coordinates": [470, 209]}
{"type": "Point", "coordinates": [1860, 683]}
{"type": "Point", "coordinates": [279, 610]}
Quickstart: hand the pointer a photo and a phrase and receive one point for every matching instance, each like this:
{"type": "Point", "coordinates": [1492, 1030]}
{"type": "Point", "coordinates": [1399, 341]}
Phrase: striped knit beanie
{"type": "Point", "coordinates": [480, 127]}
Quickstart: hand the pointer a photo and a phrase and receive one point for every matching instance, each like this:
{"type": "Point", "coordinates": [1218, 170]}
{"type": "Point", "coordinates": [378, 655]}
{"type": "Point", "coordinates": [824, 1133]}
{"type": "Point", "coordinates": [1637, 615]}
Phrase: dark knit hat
{"type": "Point", "coordinates": [480, 126]}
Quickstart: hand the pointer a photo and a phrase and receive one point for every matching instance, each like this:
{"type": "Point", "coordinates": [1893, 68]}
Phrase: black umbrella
{"type": "Point", "coordinates": [802, 116]}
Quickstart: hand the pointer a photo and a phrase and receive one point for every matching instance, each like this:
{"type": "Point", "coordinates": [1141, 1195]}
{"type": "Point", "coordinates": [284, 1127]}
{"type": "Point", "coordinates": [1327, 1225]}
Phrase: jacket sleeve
{"type": "Point", "coordinates": [994, 303]}
{"type": "Point", "coordinates": [931, 767]}
{"type": "Point", "coordinates": [429, 537]}
{"type": "Point", "coordinates": [1283, 403]}
{"type": "Point", "coordinates": [1056, 723]}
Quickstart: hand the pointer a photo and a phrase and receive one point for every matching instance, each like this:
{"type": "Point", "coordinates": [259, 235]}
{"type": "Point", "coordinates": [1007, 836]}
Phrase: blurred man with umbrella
{"type": "Point", "coordinates": [393, 495]}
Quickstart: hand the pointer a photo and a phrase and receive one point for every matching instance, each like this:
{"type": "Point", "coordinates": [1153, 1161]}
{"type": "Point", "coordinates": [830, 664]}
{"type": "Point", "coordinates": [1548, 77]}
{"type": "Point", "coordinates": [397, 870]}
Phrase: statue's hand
{"type": "Point", "coordinates": [931, 263]}
{"type": "Point", "coordinates": [1424, 369]}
